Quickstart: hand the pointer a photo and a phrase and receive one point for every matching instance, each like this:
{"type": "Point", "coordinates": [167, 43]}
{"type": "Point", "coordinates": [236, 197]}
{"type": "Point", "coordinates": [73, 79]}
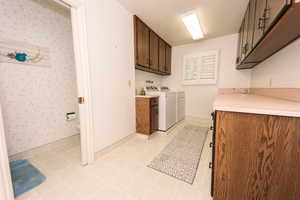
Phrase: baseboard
{"type": "Point", "coordinates": [109, 148]}
{"type": "Point", "coordinates": [56, 146]}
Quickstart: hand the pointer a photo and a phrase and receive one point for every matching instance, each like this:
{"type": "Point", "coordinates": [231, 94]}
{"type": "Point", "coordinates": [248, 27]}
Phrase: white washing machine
{"type": "Point", "coordinates": [167, 106]}
{"type": "Point", "coordinates": [180, 101]}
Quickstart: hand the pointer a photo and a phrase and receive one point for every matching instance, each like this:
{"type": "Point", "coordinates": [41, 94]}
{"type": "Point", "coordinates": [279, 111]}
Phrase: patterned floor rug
{"type": "Point", "coordinates": [180, 158]}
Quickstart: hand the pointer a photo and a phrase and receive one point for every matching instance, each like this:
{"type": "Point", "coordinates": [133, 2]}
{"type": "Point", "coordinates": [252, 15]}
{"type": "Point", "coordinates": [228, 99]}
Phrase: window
{"type": "Point", "coordinates": [201, 68]}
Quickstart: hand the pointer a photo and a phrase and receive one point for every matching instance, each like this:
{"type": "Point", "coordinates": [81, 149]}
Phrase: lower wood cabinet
{"type": "Point", "coordinates": [257, 157]}
{"type": "Point", "coordinates": [146, 115]}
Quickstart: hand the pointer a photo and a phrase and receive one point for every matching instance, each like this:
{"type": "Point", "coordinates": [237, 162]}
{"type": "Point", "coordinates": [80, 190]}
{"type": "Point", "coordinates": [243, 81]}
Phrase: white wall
{"type": "Point", "coordinates": [141, 77]}
{"type": "Point", "coordinates": [36, 99]}
{"type": "Point", "coordinates": [111, 54]}
{"type": "Point", "coordinates": [199, 98]}
{"type": "Point", "coordinates": [282, 70]}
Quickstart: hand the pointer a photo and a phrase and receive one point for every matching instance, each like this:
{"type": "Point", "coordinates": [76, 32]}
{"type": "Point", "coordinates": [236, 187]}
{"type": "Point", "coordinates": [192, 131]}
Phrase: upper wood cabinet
{"type": "Point", "coordinates": [142, 36]}
{"type": "Point", "coordinates": [251, 26]}
{"type": "Point", "coordinates": [168, 59]}
{"type": "Point", "coordinates": [258, 20]}
{"type": "Point", "coordinates": [268, 26]}
{"type": "Point", "coordinates": [273, 10]}
{"type": "Point", "coordinates": [152, 53]}
{"type": "Point", "coordinates": [162, 56]}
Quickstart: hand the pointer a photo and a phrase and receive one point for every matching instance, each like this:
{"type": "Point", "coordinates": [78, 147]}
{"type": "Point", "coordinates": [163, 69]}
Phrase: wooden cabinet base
{"type": "Point", "coordinates": [146, 115]}
{"type": "Point", "coordinates": [257, 157]}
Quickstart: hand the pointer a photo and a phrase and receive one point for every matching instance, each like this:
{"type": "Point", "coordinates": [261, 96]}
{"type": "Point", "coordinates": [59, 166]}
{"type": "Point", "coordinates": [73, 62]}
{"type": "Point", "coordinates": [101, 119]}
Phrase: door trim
{"type": "Point", "coordinates": [83, 80]}
{"type": "Point", "coordinates": [6, 190]}
{"type": "Point", "coordinates": [80, 42]}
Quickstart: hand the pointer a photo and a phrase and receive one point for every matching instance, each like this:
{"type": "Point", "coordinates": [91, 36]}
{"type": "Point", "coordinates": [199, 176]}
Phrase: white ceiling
{"type": "Point", "coordinates": [217, 17]}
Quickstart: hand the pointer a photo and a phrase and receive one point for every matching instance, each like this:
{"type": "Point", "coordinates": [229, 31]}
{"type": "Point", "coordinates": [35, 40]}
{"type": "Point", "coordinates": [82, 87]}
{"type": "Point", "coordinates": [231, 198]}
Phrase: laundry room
{"type": "Point", "coordinates": [143, 100]}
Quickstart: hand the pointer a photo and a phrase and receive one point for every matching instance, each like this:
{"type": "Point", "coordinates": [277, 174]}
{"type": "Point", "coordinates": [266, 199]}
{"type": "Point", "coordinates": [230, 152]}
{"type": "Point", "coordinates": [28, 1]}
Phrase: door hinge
{"type": "Point", "coordinates": [81, 100]}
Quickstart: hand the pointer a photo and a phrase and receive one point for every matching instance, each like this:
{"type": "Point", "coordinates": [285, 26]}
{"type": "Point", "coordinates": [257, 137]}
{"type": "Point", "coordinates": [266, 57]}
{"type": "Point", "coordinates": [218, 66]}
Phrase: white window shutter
{"type": "Point", "coordinates": [201, 68]}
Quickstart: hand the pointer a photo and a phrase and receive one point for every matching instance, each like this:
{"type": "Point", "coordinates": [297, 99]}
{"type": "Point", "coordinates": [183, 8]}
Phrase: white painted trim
{"type": "Point", "coordinates": [6, 191]}
{"type": "Point", "coordinates": [84, 89]}
{"type": "Point", "coordinates": [70, 3]}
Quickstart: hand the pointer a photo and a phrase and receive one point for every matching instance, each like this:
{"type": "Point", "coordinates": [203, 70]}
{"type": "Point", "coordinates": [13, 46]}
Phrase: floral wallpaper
{"type": "Point", "coordinates": [35, 99]}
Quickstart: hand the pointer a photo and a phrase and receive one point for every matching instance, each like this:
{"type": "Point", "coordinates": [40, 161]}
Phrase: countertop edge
{"type": "Point", "coordinates": [257, 111]}
{"type": "Point", "coordinates": [256, 104]}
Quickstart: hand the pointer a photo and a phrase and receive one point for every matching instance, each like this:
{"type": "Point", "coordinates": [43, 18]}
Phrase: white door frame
{"type": "Point", "coordinates": [83, 78]}
{"type": "Point", "coordinates": [84, 90]}
{"type": "Point", "coordinates": [6, 191]}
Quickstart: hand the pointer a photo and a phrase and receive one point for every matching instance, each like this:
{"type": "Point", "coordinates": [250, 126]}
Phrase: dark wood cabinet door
{"type": "Point", "coordinates": [142, 43]}
{"type": "Point", "coordinates": [168, 59]}
{"type": "Point", "coordinates": [257, 157]}
{"type": "Point", "coordinates": [243, 39]}
{"type": "Point", "coordinates": [251, 26]}
{"type": "Point", "coordinates": [259, 24]}
{"type": "Point", "coordinates": [154, 42]}
{"type": "Point", "coordinates": [245, 34]}
{"type": "Point", "coordinates": [240, 44]}
{"type": "Point", "coordinates": [273, 10]}
{"type": "Point", "coordinates": [154, 118]}
{"type": "Point", "coordinates": [162, 56]}
{"type": "Point", "coordinates": [143, 117]}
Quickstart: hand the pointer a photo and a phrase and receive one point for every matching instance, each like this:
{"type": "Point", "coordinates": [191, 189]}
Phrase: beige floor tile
{"type": "Point", "coordinates": [119, 174]}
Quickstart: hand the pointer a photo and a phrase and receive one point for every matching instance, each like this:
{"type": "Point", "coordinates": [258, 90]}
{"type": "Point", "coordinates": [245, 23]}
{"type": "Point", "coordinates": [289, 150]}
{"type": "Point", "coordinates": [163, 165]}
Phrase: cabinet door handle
{"type": "Point", "coordinates": [211, 145]}
{"type": "Point", "coordinates": [210, 165]}
{"type": "Point", "coordinates": [267, 14]}
{"type": "Point", "coordinates": [260, 23]}
{"type": "Point", "coordinates": [245, 48]}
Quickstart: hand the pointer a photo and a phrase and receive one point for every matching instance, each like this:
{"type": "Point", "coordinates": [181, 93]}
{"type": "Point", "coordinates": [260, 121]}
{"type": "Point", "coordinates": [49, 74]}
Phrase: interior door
{"type": "Point", "coordinates": [259, 26]}
{"type": "Point", "coordinates": [274, 9]}
{"type": "Point", "coordinates": [6, 191]}
{"type": "Point", "coordinates": [168, 59]}
{"type": "Point", "coordinates": [142, 34]}
{"type": "Point", "coordinates": [162, 56]}
{"type": "Point", "coordinates": [154, 50]}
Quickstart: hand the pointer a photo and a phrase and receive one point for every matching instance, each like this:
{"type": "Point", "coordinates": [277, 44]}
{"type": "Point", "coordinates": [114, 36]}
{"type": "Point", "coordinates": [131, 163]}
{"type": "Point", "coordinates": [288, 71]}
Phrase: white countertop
{"type": "Point", "coordinates": [247, 103]}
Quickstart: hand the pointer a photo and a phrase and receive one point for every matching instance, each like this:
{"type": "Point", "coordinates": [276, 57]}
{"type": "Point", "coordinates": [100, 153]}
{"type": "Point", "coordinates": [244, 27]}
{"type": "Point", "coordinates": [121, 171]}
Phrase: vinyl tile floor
{"type": "Point", "coordinates": [118, 174]}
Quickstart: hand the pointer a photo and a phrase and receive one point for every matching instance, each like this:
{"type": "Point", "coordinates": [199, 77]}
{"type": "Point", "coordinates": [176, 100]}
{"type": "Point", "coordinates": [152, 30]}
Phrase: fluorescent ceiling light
{"type": "Point", "coordinates": [192, 23]}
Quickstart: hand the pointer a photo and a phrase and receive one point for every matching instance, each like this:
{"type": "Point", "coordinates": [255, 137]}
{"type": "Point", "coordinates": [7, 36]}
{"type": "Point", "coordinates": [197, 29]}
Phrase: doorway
{"type": "Point", "coordinates": [85, 108]}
